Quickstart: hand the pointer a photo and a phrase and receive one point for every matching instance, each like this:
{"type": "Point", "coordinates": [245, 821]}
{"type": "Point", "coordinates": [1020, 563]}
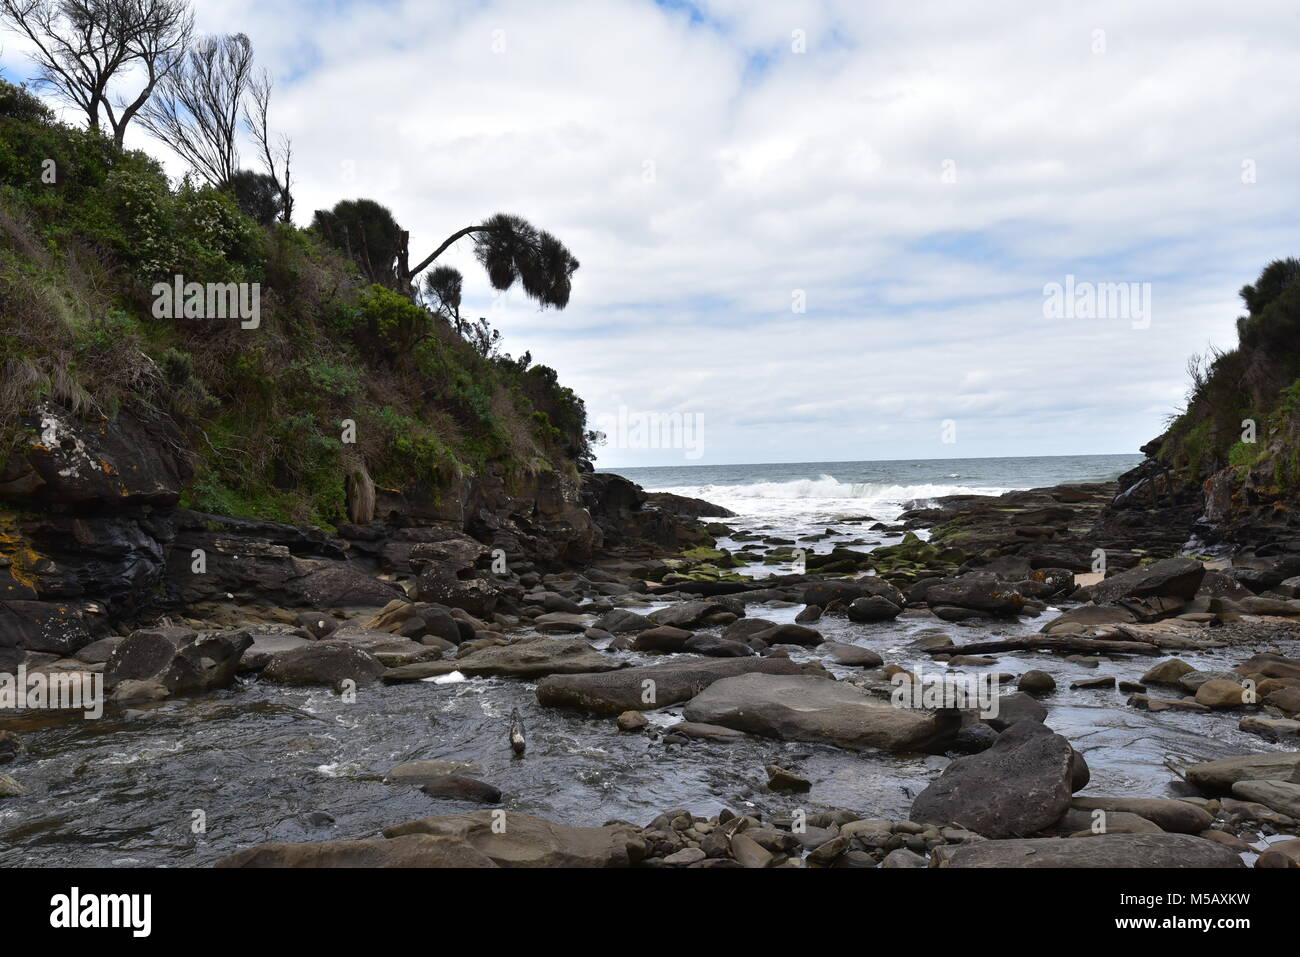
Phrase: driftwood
{"type": "Point", "coordinates": [1052, 643]}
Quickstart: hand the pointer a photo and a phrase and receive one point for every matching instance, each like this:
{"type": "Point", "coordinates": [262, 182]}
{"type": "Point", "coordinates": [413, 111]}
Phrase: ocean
{"type": "Point", "coordinates": [796, 500]}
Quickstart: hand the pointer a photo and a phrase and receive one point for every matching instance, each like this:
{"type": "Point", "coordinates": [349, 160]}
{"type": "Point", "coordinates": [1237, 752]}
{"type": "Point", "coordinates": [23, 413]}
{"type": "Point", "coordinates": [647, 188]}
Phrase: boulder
{"type": "Point", "coordinates": [457, 787]}
{"type": "Point", "coordinates": [1019, 786]}
{"type": "Point", "coordinates": [323, 663]}
{"type": "Point", "coordinates": [874, 608]}
{"type": "Point", "coordinates": [665, 638]}
{"type": "Point", "coordinates": [819, 710]}
{"type": "Point", "coordinates": [531, 657]}
{"type": "Point", "coordinates": [1167, 672]}
{"type": "Point", "coordinates": [852, 655]}
{"type": "Point", "coordinates": [977, 591]}
{"type": "Point", "coordinates": [1170, 578]}
{"type": "Point", "coordinates": [1219, 694]}
{"type": "Point", "coordinates": [650, 687]}
{"type": "Point", "coordinates": [520, 840]}
{"type": "Point", "coordinates": [1099, 851]}
{"type": "Point", "coordinates": [178, 659]}
{"type": "Point", "coordinates": [1170, 815]}
{"type": "Point", "coordinates": [1218, 777]}
{"type": "Point", "coordinates": [788, 635]}
{"type": "Point", "coordinates": [415, 850]}
{"type": "Point", "coordinates": [716, 647]}
{"type": "Point", "coordinates": [1281, 796]}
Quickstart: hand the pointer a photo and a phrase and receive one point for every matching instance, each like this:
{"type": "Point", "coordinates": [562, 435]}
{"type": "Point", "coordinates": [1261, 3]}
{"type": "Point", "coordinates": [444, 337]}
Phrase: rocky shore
{"type": "Point", "coordinates": [621, 610]}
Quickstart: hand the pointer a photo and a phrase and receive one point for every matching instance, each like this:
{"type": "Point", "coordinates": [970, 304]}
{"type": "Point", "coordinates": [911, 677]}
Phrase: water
{"type": "Point", "coordinates": [258, 759]}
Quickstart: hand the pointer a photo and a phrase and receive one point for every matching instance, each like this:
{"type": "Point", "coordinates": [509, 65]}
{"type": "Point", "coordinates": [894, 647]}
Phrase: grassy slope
{"type": "Point", "coordinates": [262, 409]}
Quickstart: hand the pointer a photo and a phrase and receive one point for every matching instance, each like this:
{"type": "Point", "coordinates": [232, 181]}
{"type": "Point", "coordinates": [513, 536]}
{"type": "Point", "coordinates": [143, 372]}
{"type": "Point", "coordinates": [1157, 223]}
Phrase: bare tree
{"type": "Point", "coordinates": [85, 50]}
{"type": "Point", "coordinates": [277, 155]}
{"type": "Point", "coordinates": [199, 104]}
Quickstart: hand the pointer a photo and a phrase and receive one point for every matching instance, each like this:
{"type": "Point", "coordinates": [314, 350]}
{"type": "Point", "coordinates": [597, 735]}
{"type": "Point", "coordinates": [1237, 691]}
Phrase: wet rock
{"type": "Point", "coordinates": [779, 779]}
{"type": "Point", "coordinates": [132, 691]}
{"type": "Point", "coordinates": [422, 772]}
{"type": "Point", "coordinates": [1016, 707]}
{"type": "Point", "coordinates": [527, 841]}
{"type": "Point", "coordinates": [977, 591]}
{"type": "Point", "coordinates": [1170, 815]}
{"type": "Point", "coordinates": [318, 624]}
{"type": "Point", "coordinates": [632, 721]}
{"type": "Point", "coordinates": [455, 787]}
{"type": "Point", "coordinates": [1036, 682]}
{"type": "Point", "coordinates": [1019, 786]}
{"type": "Point", "coordinates": [1272, 729]}
{"type": "Point", "coordinates": [563, 622]}
{"type": "Point", "coordinates": [852, 655]}
{"type": "Point", "coordinates": [1218, 777]}
{"type": "Point", "coordinates": [749, 853]}
{"type": "Point", "coordinates": [415, 850]}
{"type": "Point", "coordinates": [323, 663]}
{"type": "Point", "coordinates": [789, 635]}
{"type": "Point", "coordinates": [1283, 854]}
{"type": "Point", "coordinates": [809, 614]}
{"type": "Point", "coordinates": [1100, 851]}
{"type": "Point", "coordinates": [10, 746]}
{"type": "Point", "coordinates": [687, 614]}
{"type": "Point", "coordinates": [715, 647]}
{"type": "Point", "coordinates": [1219, 694]}
{"type": "Point", "coordinates": [620, 621]}
{"type": "Point", "coordinates": [650, 687]}
{"type": "Point", "coordinates": [530, 657]}
{"type": "Point", "coordinates": [178, 659]}
{"type": "Point", "coordinates": [1102, 681]}
{"type": "Point", "coordinates": [1170, 578]}
{"type": "Point", "coordinates": [812, 709]}
{"type": "Point", "coordinates": [665, 638]}
{"type": "Point", "coordinates": [266, 646]}
{"type": "Point", "coordinates": [98, 652]}
{"type": "Point", "coordinates": [902, 857]}
{"type": "Point", "coordinates": [9, 788]}
{"type": "Point", "coordinates": [706, 732]}
{"type": "Point", "coordinates": [1281, 796]}
{"type": "Point", "coordinates": [874, 608]}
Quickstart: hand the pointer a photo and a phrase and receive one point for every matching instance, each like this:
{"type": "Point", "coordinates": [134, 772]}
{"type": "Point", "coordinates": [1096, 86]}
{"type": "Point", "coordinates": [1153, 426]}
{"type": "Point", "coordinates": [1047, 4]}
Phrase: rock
{"type": "Point", "coordinates": [685, 857]}
{"type": "Point", "coordinates": [98, 652]}
{"type": "Point", "coordinates": [1284, 699]}
{"type": "Point", "coordinates": [1019, 786]}
{"type": "Point", "coordinates": [715, 647]}
{"type": "Point", "coordinates": [620, 621]}
{"type": "Point", "coordinates": [563, 622]}
{"type": "Point", "coordinates": [416, 850]}
{"type": "Point", "coordinates": [632, 721]}
{"type": "Point", "coordinates": [664, 638]}
{"type": "Point", "coordinates": [852, 655]}
{"type": "Point", "coordinates": [779, 779]}
{"type": "Point", "coordinates": [10, 788]}
{"type": "Point", "coordinates": [1281, 796]}
{"type": "Point", "coordinates": [846, 592]}
{"type": "Point", "coordinates": [1218, 777]}
{"type": "Point", "coordinates": [1147, 703]}
{"type": "Point", "coordinates": [520, 840]}
{"type": "Point", "coordinates": [1273, 729]}
{"type": "Point", "coordinates": [809, 613]}
{"type": "Point", "coordinates": [178, 659]}
{"type": "Point", "coordinates": [323, 663]}
{"type": "Point", "coordinates": [977, 591]}
{"type": "Point", "coordinates": [1103, 681]}
{"type": "Point", "coordinates": [1079, 823]}
{"type": "Point", "coordinates": [974, 738]}
{"type": "Point", "coordinates": [531, 657]}
{"type": "Point", "coordinates": [650, 687]}
{"type": "Point", "coordinates": [1099, 851]}
{"type": "Point", "coordinates": [1219, 694]}
{"type": "Point", "coordinates": [748, 852]}
{"type": "Point", "coordinates": [971, 661]}
{"type": "Point", "coordinates": [1170, 578]}
{"type": "Point", "coordinates": [1078, 620]}
{"type": "Point", "coordinates": [1167, 672]}
{"type": "Point", "coordinates": [1192, 681]}
{"type": "Point", "coordinates": [318, 624]}
{"type": "Point", "coordinates": [456, 787]}
{"type": "Point", "coordinates": [813, 709]}
{"type": "Point", "coordinates": [9, 746]}
{"type": "Point", "coordinates": [874, 608]}
{"type": "Point", "coordinates": [1170, 815]}
{"type": "Point", "coordinates": [1036, 682]}
{"type": "Point", "coordinates": [1271, 666]}
{"type": "Point", "coordinates": [686, 614]}
{"type": "Point", "coordinates": [826, 854]}
{"type": "Point", "coordinates": [788, 635]}
{"type": "Point", "coordinates": [706, 732]}
{"type": "Point", "coordinates": [904, 858]}
{"type": "Point", "coordinates": [1283, 854]}
{"type": "Point", "coordinates": [1013, 708]}
{"type": "Point", "coordinates": [265, 647]}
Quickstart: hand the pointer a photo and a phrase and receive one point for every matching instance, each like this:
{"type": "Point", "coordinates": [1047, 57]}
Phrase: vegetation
{"type": "Point", "coordinates": [83, 241]}
{"type": "Point", "coordinates": [1243, 408]}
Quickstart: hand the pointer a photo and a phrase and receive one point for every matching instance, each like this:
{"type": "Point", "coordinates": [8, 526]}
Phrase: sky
{"type": "Point", "coordinates": [820, 230]}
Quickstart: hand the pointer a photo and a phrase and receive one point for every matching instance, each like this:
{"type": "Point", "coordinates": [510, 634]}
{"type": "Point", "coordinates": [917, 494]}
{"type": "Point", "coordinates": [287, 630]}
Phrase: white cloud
{"type": "Point", "coordinates": [775, 171]}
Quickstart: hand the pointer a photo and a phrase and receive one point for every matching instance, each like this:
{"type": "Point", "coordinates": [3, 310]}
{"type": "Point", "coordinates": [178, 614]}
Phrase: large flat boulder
{"type": "Point", "coordinates": [1170, 578]}
{"type": "Point", "coordinates": [532, 657]}
{"type": "Point", "coordinates": [178, 659]}
{"type": "Point", "coordinates": [323, 663]}
{"type": "Point", "coordinates": [1218, 777]}
{"type": "Point", "coordinates": [669, 683]}
{"type": "Point", "coordinates": [821, 710]}
{"type": "Point", "coordinates": [1102, 850]}
{"type": "Point", "coordinates": [415, 850]}
{"type": "Point", "coordinates": [1019, 786]}
{"type": "Point", "coordinates": [1281, 796]}
{"type": "Point", "coordinates": [1177, 817]}
{"type": "Point", "coordinates": [509, 839]}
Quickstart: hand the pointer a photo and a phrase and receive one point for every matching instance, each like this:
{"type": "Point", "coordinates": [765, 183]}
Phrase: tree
{"type": "Point", "coordinates": [85, 49]}
{"type": "Point", "coordinates": [200, 103]}
{"type": "Point", "coordinates": [368, 234]}
{"type": "Point", "coordinates": [277, 155]}
{"type": "Point", "coordinates": [511, 250]}
{"type": "Point", "coordinates": [443, 287]}
{"type": "Point", "coordinates": [258, 195]}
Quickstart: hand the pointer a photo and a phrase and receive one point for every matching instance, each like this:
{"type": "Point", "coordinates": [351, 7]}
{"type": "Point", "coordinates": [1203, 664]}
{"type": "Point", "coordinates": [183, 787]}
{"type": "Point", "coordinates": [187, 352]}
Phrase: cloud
{"type": "Point", "coordinates": [916, 176]}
